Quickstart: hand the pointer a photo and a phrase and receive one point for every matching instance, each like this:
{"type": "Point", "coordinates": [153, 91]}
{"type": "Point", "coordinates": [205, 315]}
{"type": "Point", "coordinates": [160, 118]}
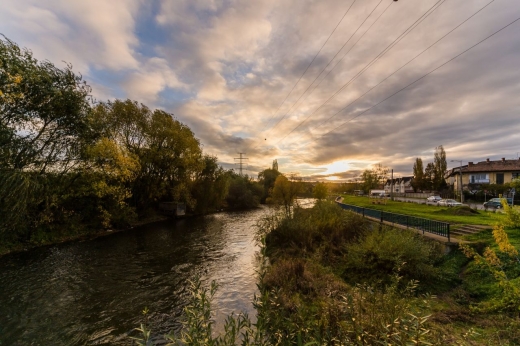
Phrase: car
{"type": "Point", "coordinates": [449, 203]}
{"type": "Point", "coordinates": [434, 199]}
{"type": "Point", "coordinates": [496, 202]}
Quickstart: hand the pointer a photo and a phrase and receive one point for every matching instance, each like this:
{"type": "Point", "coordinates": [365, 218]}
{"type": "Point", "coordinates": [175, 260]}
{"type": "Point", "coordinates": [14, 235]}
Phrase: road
{"type": "Point", "coordinates": [478, 206]}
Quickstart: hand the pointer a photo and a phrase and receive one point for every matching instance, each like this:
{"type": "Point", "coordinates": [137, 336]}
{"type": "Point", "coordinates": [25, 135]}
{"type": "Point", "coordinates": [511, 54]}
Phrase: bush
{"type": "Point", "coordinates": [325, 224]}
{"type": "Point", "coordinates": [377, 255]}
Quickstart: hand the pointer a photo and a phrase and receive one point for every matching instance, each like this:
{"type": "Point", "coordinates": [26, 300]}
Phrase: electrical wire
{"type": "Point", "coordinates": [409, 61]}
{"type": "Point", "coordinates": [294, 86]}
{"type": "Point", "coordinates": [346, 42]}
{"type": "Point", "coordinates": [424, 76]}
{"type": "Point", "coordinates": [381, 54]}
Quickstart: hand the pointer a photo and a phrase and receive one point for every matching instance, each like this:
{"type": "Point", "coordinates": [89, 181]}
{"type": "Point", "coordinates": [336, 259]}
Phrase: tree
{"type": "Point", "coordinates": [374, 178]}
{"type": "Point", "coordinates": [429, 176]}
{"type": "Point", "coordinates": [43, 111]}
{"type": "Point", "coordinates": [211, 185]}
{"type": "Point", "coordinates": [284, 192]}
{"type": "Point", "coordinates": [243, 192]}
{"type": "Point", "coordinates": [320, 191]}
{"type": "Point", "coordinates": [267, 178]}
{"type": "Point", "coordinates": [418, 175]}
{"type": "Point", "coordinates": [169, 154]}
{"type": "Point", "coordinates": [43, 122]}
{"type": "Point", "coordinates": [439, 162]}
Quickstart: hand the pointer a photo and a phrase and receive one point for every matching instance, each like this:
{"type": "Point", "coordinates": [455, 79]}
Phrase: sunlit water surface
{"type": "Point", "coordinates": [93, 292]}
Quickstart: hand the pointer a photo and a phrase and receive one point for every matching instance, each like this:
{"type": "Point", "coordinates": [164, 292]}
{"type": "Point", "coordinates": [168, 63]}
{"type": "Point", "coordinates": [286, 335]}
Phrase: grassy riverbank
{"type": "Point", "coordinates": [434, 212]}
{"type": "Point", "coordinates": [78, 233]}
{"type": "Point", "coordinates": [336, 280]}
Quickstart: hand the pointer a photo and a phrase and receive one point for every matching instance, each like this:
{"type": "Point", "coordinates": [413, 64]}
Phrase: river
{"type": "Point", "coordinates": [93, 292]}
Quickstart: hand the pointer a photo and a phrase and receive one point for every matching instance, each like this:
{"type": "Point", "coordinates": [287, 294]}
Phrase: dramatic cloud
{"type": "Point", "coordinates": [231, 71]}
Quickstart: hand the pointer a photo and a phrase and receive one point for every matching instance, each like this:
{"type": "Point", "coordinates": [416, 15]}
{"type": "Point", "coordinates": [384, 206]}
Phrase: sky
{"type": "Point", "coordinates": [325, 87]}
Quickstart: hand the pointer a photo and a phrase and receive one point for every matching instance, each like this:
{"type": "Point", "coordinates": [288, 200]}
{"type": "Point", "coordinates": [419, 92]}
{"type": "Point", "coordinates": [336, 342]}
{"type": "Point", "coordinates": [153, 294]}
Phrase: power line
{"type": "Point", "coordinates": [381, 54]}
{"type": "Point", "coordinates": [346, 42]}
{"type": "Point", "coordinates": [294, 86]}
{"type": "Point", "coordinates": [424, 76]}
{"type": "Point", "coordinates": [409, 61]}
{"type": "Point", "coordinates": [317, 85]}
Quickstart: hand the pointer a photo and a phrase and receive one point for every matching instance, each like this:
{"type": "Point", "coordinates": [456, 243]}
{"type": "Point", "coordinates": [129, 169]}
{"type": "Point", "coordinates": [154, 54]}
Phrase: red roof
{"type": "Point", "coordinates": [489, 166]}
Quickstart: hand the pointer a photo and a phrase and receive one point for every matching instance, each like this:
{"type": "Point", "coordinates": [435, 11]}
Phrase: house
{"type": "Point", "coordinates": [484, 172]}
{"type": "Point", "coordinates": [401, 185]}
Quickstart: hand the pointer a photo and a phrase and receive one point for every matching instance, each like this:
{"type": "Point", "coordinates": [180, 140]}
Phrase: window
{"type": "Point", "coordinates": [479, 178]}
{"type": "Point", "coordinates": [500, 178]}
{"type": "Point", "coordinates": [516, 175]}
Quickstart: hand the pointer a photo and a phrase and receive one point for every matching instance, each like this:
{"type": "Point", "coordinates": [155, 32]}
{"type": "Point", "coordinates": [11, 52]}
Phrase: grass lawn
{"type": "Point", "coordinates": [446, 214]}
{"type": "Point", "coordinates": [486, 236]}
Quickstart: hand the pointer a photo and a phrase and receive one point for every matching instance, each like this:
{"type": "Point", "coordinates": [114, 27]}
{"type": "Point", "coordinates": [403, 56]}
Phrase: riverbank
{"type": "Point", "coordinates": [82, 236]}
{"type": "Point", "coordinates": [89, 235]}
{"type": "Point", "coordinates": [336, 279]}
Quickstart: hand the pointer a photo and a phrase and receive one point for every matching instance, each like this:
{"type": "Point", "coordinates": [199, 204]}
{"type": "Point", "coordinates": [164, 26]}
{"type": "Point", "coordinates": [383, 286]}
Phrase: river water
{"type": "Point", "coordinates": [93, 292]}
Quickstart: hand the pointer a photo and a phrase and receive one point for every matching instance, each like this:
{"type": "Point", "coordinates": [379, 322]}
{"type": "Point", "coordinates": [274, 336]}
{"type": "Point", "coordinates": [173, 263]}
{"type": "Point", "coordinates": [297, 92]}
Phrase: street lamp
{"type": "Point", "coordinates": [460, 173]}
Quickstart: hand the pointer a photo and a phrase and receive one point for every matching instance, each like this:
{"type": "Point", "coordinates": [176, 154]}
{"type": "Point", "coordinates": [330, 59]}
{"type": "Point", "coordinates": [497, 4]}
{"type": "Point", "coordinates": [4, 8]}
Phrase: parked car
{"type": "Point", "coordinates": [497, 202]}
{"type": "Point", "coordinates": [434, 199]}
{"type": "Point", "coordinates": [449, 203]}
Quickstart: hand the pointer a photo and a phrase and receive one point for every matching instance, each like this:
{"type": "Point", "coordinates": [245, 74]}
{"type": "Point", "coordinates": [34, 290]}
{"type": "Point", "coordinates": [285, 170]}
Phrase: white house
{"type": "Point", "coordinates": [400, 185]}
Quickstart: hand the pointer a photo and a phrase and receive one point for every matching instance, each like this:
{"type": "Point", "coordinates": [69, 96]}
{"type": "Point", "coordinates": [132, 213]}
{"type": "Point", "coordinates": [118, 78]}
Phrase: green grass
{"type": "Point", "coordinates": [433, 212]}
{"type": "Point", "coordinates": [486, 237]}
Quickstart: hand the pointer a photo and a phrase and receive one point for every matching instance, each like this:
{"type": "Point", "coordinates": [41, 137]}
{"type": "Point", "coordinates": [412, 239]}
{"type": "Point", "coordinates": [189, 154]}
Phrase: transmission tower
{"type": "Point", "coordinates": [240, 162]}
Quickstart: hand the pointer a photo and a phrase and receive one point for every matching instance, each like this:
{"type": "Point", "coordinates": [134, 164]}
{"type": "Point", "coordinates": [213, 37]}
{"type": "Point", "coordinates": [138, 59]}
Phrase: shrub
{"type": "Point", "coordinates": [504, 264]}
{"type": "Point", "coordinates": [308, 229]}
{"type": "Point", "coordinates": [513, 215]}
{"type": "Point", "coordinates": [376, 256]}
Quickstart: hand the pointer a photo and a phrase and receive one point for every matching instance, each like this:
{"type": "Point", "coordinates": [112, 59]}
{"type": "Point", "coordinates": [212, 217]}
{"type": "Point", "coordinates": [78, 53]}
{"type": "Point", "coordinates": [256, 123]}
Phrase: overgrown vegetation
{"type": "Point", "coordinates": [390, 276]}
{"type": "Point", "coordinates": [336, 279]}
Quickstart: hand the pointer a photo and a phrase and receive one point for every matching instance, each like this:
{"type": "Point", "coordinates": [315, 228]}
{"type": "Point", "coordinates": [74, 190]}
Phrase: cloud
{"type": "Point", "coordinates": [227, 68]}
{"type": "Point", "coordinates": [85, 33]}
{"type": "Point", "coordinates": [153, 76]}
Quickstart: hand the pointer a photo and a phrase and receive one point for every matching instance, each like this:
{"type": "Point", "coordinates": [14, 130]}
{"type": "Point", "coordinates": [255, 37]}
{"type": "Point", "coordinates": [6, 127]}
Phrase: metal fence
{"type": "Point", "coordinates": [425, 225]}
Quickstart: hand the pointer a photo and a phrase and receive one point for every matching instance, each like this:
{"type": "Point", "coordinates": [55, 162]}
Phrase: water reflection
{"type": "Point", "coordinates": [92, 292]}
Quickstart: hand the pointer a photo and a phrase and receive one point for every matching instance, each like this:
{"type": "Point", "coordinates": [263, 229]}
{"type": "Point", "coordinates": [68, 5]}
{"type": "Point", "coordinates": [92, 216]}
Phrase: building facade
{"type": "Point", "coordinates": [485, 172]}
{"type": "Point", "coordinates": [400, 185]}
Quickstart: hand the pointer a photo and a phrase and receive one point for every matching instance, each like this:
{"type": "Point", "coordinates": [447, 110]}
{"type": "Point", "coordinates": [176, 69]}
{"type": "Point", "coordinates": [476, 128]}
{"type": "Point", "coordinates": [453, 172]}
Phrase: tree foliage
{"type": "Point", "coordinates": [374, 178]}
{"type": "Point", "coordinates": [267, 178]}
{"type": "Point", "coordinates": [418, 175]}
{"type": "Point", "coordinates": [68, 166]}
{"type": "Point", "coordinates": [43, 122]}
{"type": "Point", "coordinates": [320, 191]}
{"type": "Point", "coordinates": [168, 151]}
{"type": "Point", "coordinates": [285, 192]}
{"type": "Point", "coordinates": [440, 164]}
{"type": "Point", "coordinates": [243, 192]}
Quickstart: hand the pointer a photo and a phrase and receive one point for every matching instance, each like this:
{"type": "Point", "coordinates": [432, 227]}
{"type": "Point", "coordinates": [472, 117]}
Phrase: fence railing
{"type": "Point", "coordinates": [425, 225]}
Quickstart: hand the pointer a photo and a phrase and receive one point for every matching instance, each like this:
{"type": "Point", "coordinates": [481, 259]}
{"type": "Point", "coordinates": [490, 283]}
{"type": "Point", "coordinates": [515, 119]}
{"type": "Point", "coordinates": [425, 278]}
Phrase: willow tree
{"type": "Point", "coordinates": [43, 122]}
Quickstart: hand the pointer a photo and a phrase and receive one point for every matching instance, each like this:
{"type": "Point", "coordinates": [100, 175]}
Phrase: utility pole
{"type": "Point", "coordinates": [240, 162]}
{"type": "Point", "coordinates": [392, 186]}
